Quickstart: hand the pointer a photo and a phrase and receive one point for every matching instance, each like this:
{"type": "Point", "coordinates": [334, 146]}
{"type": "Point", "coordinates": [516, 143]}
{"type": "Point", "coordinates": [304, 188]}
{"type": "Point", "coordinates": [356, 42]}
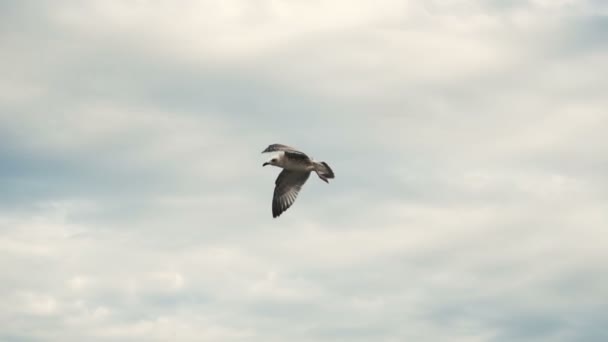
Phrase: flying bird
{"type": "Point", "coordinates": [297, 167]}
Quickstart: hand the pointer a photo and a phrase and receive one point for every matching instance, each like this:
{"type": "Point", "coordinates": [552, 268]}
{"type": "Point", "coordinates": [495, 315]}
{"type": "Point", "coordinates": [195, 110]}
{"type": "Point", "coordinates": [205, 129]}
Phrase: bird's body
{"type": "Point", "coordinates": [297, 167]}
{"type": "Point", "coordinates": [288, 162]}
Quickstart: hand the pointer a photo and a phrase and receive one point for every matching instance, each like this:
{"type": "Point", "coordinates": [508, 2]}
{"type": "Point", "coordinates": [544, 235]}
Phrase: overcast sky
{"type": "Point", "coordinates": [468, 140]}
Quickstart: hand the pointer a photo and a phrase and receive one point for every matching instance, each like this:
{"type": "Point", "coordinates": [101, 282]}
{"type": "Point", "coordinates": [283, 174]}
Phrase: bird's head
{"type": "Point", "coordinates": [272, 161]}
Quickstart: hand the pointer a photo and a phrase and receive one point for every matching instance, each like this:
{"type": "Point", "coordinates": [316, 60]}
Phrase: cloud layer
{"type": "Point", "coordinates": [467, 138]}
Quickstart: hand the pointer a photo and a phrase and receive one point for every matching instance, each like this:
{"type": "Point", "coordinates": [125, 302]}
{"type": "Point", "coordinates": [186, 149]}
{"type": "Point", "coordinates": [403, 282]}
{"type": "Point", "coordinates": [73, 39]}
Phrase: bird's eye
{"type": "Point", "coordinates": [274, 160]}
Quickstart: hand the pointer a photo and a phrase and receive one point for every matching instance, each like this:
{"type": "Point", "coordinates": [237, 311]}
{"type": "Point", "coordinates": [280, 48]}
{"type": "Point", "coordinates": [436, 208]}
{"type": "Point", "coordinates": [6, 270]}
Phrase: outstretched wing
{"type": "Point", "coordinates": [289, 151]}
{"type": "Point", "coordinates": [280, 147]}
{"type": "Point", "coordinates": [287, 187]}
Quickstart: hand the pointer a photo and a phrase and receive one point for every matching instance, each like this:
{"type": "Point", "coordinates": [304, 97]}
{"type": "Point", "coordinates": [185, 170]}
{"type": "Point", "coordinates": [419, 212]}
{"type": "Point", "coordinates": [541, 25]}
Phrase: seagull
{"type": "Point", "coordinates": [297, 167]}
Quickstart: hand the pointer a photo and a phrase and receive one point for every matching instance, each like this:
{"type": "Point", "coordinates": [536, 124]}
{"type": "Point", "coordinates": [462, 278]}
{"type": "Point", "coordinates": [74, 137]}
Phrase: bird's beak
{"type": "Point", "coordinates": [265, 164]}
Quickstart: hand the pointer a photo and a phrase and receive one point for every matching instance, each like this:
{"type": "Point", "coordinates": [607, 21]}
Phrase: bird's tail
{"type": "Point", "coordinates": [324, 171]}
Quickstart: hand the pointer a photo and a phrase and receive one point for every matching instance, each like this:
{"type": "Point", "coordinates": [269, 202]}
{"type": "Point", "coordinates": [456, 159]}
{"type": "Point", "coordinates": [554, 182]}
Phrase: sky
{"type": "Point", "coordinates": [467, 137]}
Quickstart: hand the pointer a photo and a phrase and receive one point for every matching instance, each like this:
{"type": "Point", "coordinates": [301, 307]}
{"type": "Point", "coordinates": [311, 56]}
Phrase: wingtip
{"type": "Point", "coordinates": [269, 148]}
{"type": "Point", "coordinates": [275, 212]}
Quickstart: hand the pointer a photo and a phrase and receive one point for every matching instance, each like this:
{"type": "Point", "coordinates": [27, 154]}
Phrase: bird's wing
{"type": "Point", "coordinates": [280, 147]}
{"type": "Point", "coordinates": [289, 151]}
{"type": "Point", "coordinates": [287, 187]}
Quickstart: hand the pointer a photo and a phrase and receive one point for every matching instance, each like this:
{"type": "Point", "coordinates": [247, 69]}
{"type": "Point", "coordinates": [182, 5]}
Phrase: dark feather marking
{"type": "Point", "coordinates": [279, 147]}
{"type": "Point", "coordinates": [288, 185]}
{"type": "Point", "coordinates": [297, 156]}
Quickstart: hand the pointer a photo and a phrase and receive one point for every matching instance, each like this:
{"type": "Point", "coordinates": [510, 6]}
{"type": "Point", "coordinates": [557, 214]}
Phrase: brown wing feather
{"type": "Point", "coordinates": [287, 186]}
{"type": "Point", "coordinates": [280, 147]}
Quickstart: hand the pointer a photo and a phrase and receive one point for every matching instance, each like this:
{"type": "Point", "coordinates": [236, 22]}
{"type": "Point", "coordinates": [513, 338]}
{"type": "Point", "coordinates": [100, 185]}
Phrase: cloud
{"type": "Point", "coordinates": [467, 138]}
